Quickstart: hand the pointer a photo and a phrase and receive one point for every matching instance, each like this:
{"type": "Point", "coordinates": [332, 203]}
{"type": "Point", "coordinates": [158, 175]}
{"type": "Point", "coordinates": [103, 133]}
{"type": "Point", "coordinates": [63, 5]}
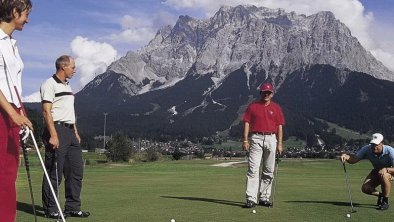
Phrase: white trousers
{"type": "Point", "coordinates": [262, 148]}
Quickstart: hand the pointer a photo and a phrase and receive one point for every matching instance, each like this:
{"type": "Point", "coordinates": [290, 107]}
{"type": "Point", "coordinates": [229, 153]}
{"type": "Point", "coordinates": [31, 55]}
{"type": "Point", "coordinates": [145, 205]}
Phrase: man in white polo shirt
{"type": "Point", "coordinates": [62, 141]}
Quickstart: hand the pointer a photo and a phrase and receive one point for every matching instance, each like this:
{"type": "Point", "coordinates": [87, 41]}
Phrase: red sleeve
{"type": "Point", "coordinates": [280, 118]}
{"type": "Point", "coordinates": [247, 115]}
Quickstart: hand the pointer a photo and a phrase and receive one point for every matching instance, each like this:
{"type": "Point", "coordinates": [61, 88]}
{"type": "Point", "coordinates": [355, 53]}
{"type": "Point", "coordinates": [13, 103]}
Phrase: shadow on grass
{"type": "Point", "coordinates": [336, 203]}
{"type": "Point", "coordinates": [225, 202]}
{"type": "Point", "coordinates": [27, 208]}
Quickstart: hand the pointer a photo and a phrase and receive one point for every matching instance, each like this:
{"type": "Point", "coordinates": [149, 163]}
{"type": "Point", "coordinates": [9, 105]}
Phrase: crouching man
{"type": "Point", "coordinates": [382, 159]}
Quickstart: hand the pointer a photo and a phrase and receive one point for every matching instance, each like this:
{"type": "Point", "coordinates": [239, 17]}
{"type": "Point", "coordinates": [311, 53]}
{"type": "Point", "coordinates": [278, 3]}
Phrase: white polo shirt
{"type": "Point", "coordinates": [62, 99]}
{"type": "Point", "coordinates": [11, 67]}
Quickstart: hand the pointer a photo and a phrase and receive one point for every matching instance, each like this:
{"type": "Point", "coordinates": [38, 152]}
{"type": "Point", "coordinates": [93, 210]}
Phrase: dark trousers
{"type": "Point", "coordinates": [69, 163]}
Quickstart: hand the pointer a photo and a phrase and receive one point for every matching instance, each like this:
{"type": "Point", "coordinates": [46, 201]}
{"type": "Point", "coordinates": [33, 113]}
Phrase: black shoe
{"type": "Point", "coordinates": [380, 200]}
{"type": "Point", "coordinates": [265, 203]}
{"type": "Point", "coordinates": [54, 215]}
{"type": "Point", "coordinates": [76, 214]}
{"type": "Point", "coordinates": [249, 204]}
{"type": "Point", "coordinates": [384, 206]}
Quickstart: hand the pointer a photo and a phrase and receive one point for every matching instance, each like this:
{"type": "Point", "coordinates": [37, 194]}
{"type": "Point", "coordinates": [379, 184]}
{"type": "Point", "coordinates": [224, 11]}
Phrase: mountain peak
{"type": "Point", "coordinates": [195, 77]}
{"type": "Point", "coordinates": [273, 40]}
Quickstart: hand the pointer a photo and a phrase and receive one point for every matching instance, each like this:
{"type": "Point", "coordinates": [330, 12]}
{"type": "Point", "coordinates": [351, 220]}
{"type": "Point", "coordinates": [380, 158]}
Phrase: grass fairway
{"type": "Point", "coordinates": [308, 190]}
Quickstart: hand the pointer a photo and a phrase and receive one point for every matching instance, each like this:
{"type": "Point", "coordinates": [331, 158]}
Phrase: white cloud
{"type": "Point", "coordinates": [351, 12]}
{"type": "Point", "coordinates": [92, 58]}
{"type": "Point", "coordinates": [385, 57]}
{"type": "Point", "coordinates": [163, 18]}
{"type": "Point", "coordinates": [134, 36]}
{"type": "Point", "coordinates": [140, 29]}
{"type": "Point", "coordinates": [135, 30]}
{"type": "Point", "coordinates": [130, 22]}
{"type": "Point", "coordinates": [33, 98]}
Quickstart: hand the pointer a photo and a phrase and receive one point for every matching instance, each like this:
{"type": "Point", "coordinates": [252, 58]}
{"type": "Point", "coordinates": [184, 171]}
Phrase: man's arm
{"type": "Point", "coordinates": [76, 133]}
{"type": "Point", "coordinates": [349, 158]}
{"type": "Point", "coordinates": [46, 112]}
{"type": "Point", "coordinates": [245, 143]}
{"type": "Point", "coordinates": [390, 169]}
{"type": "Point", "coordinates": [279, 146]}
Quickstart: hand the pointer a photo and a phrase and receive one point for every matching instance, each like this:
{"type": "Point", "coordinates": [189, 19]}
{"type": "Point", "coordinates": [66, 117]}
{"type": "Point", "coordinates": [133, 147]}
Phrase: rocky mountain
{"type": "Point", "coordinates": [276, 41]}
{"type": "Point", "coordinates": [196, 78]}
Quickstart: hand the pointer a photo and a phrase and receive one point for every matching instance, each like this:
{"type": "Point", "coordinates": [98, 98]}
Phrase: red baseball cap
{"type": "Point", "coordinates": [267, 87]}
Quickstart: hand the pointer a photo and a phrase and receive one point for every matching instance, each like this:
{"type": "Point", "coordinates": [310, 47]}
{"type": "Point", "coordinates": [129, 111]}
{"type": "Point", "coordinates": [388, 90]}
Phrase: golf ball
{"type": "Point", "coordinates": [254, 211]}
{"type": "Point", "coordinates": [348, 215]}
{"type": "Point", "coordinates": [172, 220]}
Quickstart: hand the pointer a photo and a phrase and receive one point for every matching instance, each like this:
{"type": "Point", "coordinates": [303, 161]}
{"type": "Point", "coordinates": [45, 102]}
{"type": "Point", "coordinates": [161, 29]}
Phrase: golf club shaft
{"type": "Point", "coordinates": [348, 186]}
{"type": "Point", "coordinates": [275, 179]}
{"type": "Point", "coordinates": [47, 177]}
{"type": "Point", "coordinates": [27, 166]}
{"type": "Point", "coordinates": [57, 178]}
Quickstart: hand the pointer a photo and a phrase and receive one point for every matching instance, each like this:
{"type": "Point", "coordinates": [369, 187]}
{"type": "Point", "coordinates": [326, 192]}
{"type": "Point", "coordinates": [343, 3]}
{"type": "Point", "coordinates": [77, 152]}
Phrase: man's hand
{"type": "Point", "coordinates": [245, 145]}
{"type": "Point", "coordinates": [279, 148]}
{"type": "Point", "coordinates": [382, 171]}
{"type": "Point", "coordinates": [344, 157]}
{"type": "Point", "coordinates": [21, 121]}
{"type": "Point", "coordinates": [78, 137]}
{"type": "Point", "coordinates": [54, 141]}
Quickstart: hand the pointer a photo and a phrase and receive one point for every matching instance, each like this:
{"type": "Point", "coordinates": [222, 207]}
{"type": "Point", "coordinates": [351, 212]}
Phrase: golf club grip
{"type": "Point", "coordinates": [24, 152]}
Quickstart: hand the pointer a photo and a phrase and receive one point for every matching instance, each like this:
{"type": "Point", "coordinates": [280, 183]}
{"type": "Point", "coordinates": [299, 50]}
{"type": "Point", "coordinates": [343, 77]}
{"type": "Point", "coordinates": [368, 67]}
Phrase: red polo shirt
{"type": "Point", "coordinates": [264, 118]}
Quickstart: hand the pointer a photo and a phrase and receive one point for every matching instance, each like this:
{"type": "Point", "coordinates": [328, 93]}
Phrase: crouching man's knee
{"type": "Point", "coordinates": [367, 189]}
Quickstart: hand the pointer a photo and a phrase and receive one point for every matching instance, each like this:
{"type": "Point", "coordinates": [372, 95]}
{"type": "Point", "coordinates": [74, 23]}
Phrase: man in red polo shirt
{"type": "Point", "coordinates": [263, 119]}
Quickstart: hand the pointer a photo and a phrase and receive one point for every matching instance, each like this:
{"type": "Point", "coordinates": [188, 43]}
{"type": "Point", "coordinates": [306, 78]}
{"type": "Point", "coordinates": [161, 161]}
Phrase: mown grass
{"type": "Point", "coordinates": [308, 190]}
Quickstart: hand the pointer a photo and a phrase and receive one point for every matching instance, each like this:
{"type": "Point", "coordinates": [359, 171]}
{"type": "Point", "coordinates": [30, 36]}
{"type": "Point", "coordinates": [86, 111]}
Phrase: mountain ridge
{"type": "Point", "coordinates": [277, 41]}
{"type": "Point", "coordinates": [196, 78]}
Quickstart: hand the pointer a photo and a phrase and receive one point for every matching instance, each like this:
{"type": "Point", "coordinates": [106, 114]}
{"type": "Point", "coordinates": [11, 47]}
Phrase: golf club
{"type": "Point", "coordinates": [27, 166]}
{"type": "Point", "coordinates": [23, 139]}
{"type": "Point", "coordinates": [275, 179]}
{"type": "Point", "coordinates": [348, 188]}
{"type": "Point", "coordinates": [24, 133]}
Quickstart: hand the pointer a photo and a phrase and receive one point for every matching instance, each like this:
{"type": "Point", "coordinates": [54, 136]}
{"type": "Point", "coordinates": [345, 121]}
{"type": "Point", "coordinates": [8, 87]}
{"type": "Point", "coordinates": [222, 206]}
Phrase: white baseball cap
{"type": "Point", "coordinates": [377, 138]}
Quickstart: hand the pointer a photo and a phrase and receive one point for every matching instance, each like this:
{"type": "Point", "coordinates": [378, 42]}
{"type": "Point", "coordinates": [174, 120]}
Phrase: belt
{"type": "Point", "coordinates": [68, 125]}
{"type": "Point", "coordinates": [263, 133]}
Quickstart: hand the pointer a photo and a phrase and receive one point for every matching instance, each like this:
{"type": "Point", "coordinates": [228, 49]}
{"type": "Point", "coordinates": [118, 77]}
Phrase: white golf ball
{"type": "Point", "coordinates": [348, 215]}
{"type": "Point", "coordinates": [254, 211]}
{"type": "Point", "coordinates": [172, 220]}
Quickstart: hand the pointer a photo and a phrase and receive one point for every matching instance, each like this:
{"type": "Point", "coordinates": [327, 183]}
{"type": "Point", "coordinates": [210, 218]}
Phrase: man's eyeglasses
{"type": "Point", "coordinates": [266, 92]}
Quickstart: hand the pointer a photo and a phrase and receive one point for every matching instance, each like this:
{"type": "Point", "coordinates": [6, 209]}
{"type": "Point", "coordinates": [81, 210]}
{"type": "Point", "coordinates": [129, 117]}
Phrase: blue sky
{"type": "Point", "coordinates": [97, 32]}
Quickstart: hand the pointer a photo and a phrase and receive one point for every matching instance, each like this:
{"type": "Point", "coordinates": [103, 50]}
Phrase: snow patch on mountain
{"type": "Point", "coordinates": [173, 111]}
